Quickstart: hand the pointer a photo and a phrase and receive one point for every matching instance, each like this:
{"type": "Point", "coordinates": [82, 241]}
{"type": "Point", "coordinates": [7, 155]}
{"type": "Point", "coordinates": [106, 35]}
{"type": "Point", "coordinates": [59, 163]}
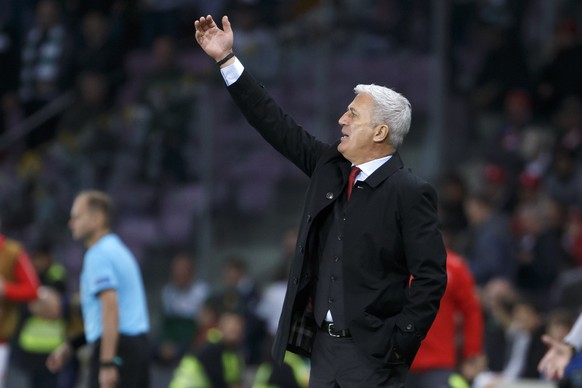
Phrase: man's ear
{"type": "Point", "coordinates": [381, 133]}
{"type": "Point", "coordinates": [99, 218]}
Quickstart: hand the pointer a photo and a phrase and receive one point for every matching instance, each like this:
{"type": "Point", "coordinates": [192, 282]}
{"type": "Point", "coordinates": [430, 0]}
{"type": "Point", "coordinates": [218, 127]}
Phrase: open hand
{"type": "Point", "coordinates": [556, 358]}
{"type": "Point", "coordinates": [215, 42]}
{"type": "Point", "coordinates": [59, 357]}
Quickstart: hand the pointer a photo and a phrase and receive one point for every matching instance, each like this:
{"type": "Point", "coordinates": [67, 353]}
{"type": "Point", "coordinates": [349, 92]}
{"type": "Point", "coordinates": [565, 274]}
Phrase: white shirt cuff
{"type": "Point", "coordinates": [232, 72]}
{"type": "Point", "coordinates": [574, 337]}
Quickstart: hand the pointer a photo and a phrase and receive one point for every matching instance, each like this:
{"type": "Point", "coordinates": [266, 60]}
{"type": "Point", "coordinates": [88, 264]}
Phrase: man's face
{"type": "Point", "coordinates": [476, 211]}
{"type": "Point", "coordinates": [357, 139]}
{"type": "Point", "coordinates": [233, 327]}
{"type": "Point", "coordinates": [83, 222]}
{"type": "Point", "coordinates": [232, 276]}
{"type": "Point", "coordinates": [182, 272]}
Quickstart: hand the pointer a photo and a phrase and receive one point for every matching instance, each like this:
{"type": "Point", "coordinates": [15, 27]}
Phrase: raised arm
{"type": "Point", "coordinates": [253, 100]}
{"type": "Point", "coordinates": [215, 42]}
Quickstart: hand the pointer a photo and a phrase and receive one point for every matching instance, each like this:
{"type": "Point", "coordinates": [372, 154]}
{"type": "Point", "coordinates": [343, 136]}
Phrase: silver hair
{"type": "Point", "coordinates": [390, 108]}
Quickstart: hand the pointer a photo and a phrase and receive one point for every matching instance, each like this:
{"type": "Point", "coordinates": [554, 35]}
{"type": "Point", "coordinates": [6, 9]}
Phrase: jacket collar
{"type": "Point", "coordinates": [385, 171]}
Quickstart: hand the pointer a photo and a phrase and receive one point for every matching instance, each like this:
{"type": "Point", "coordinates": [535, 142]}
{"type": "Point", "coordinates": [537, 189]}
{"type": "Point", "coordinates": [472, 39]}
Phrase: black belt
{"type": "Point", "coordinates": [329, 328]}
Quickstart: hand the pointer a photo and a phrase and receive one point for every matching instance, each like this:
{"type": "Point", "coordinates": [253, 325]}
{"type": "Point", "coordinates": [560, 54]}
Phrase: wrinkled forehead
{"type": "Point", "coordinates": [363, 98]}
{"type": "Point", "coordinates": [363, 103]}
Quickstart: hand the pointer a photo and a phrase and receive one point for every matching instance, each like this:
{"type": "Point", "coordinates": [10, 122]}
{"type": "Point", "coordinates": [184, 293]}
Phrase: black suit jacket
{"type": "Point", "coordinates": [391, 232]}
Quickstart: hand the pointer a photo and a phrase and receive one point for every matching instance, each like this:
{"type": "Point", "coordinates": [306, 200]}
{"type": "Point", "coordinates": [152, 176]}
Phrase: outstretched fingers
{"type": "Point", "coordinates": [202, 26]}
{"type": "Point", "coordinates": [205, 23]}
{"type": "Point", "coordinates": [226, 25]}
{"type": "Point", "coordinates": [555, 360]}
{"type": "Point", "coordinates": [215, 42]}
{"type": "Point", "coordinates": [550, 341]}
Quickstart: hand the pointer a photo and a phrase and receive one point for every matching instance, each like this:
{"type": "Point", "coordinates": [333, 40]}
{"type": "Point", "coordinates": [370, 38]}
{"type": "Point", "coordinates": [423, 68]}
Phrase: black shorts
{"type": "Point", "coordinates": [134, 371]}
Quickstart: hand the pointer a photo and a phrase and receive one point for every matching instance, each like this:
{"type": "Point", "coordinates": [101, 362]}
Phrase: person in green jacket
{"type": "Point", "coordinates": [218, 362]}
{"type": "Point", "coordinates": [43, 324]}
{"type": "Point", "coordinates": [293, 373]}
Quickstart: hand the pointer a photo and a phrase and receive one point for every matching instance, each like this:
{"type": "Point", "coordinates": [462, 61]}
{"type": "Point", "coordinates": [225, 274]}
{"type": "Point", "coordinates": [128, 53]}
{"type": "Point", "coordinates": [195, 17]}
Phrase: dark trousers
{"type": "Point", "coordinates": [134, 372]}
{"type": "Point", "coordinates": [34, 366]}
{"type": "Point", "coordinates": [436, 378]}
{"type": "Point", "coordinates": [43, 379]}
{"type": "Point", "coordinates": [337, 362]}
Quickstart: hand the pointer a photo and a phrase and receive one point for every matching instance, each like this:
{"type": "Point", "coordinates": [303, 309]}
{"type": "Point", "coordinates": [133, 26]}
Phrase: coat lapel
{"type": "Point", "coordinates": [385, 171]}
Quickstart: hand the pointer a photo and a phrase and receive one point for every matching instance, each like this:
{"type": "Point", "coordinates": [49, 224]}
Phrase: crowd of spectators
{"type": "Point", "coordinates": [510, 178]}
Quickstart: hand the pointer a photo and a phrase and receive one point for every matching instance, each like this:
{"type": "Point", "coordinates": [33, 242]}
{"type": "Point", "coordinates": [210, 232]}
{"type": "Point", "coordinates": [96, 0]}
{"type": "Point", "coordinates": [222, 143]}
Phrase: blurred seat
{"type": "Point", "coordinates": [568, 289]}
{"type": "Point", "coordinates": [179, 207]}
{"type": "Point", "coordinates": [133, 198]}
{"type": "Point", "coordinates": [139, 233]}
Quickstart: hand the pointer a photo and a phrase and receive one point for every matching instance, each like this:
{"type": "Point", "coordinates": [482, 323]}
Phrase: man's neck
{"type": "Point", "coordinates": [96, 237]}
{"type": "Point", "coordinates": [376, 154]}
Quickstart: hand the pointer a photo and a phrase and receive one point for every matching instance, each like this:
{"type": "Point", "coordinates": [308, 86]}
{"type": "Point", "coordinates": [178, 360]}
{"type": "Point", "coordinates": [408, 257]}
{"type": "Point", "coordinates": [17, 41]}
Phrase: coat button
{"type": "Point", "coordinates": [409, 327]}
{"type": "Point", "coordinates": [295, 280]}
{"type": "Point", "coordinates": [301, 249]}
{"type": "Point", "coordinates": [329, 195]}
{"type": "Point", "coordinates": [309, 218]}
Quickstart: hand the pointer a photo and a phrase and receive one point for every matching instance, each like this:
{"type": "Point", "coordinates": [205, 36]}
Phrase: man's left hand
{"type": "Point", "coordinates": [108, 377]}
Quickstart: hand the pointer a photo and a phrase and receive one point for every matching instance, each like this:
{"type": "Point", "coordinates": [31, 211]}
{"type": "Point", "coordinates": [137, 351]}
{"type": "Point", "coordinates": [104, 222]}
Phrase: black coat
{"type": "Point", "coordinates": [390, 233]}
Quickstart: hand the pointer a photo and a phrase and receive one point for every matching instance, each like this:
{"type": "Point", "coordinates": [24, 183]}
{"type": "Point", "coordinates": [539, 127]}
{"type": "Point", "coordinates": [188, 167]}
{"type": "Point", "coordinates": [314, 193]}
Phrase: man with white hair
{"type": "Point", "coordinates": [369, 268]}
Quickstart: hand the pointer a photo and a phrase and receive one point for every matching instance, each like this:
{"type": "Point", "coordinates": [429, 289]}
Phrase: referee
{"type": "Point", "coordinates": [113, 301]}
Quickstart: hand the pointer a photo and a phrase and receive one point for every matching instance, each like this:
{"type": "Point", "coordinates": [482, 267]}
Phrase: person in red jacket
{"type": "Point", "coordinates": [436, 360]}
{"type": "Point", "coordinates": [18, 283]}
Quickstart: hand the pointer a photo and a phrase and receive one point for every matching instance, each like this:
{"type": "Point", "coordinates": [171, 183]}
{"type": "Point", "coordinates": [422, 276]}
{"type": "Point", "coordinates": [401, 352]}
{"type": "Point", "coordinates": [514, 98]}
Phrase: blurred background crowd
{"type": "Point", "coordinates": [115, 95]}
